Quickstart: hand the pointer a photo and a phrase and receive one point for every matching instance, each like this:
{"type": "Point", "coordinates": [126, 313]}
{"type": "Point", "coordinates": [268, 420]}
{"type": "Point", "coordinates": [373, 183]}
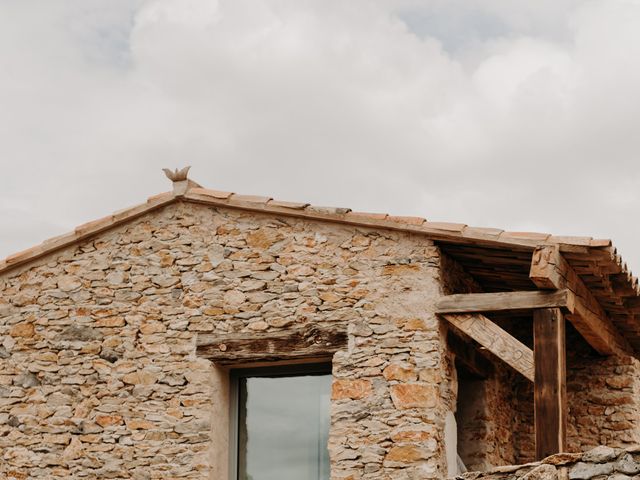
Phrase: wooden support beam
{"type": "Point", "coordinates": [468, 355]}
{"type": "Point", "coordinates": [494, 339]}
{"type": "Point", "coordinates": [549, 269]}
{"type": "Point", "coordinates": [310, 343]}
{"type": "Point", "coordinates": [505, 301]}
{"type": "Point", "coordinates": [550, 391]}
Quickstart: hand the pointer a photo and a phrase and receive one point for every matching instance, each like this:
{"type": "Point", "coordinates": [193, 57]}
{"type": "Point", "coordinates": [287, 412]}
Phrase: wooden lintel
{"type": "Point", "coordinates": [550, 391]}
{"type": "Point", "coordinates": [494, 339]}
{"type": "Point", "coordinates": [468, 355]}
{"type": "Point", "coordinates": [229, 349]}
{"type": "Point", "coordinates": [550, 270]}
{"type": "Point", "coordinates": [505, 301]}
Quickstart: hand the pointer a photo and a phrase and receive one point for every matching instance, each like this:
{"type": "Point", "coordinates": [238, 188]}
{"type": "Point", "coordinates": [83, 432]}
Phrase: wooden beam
{"type": "Point", "coordinates": [549, 269]}
{"type": "Point", "coordinates": [494, 339]}
{"type": "Point", "coordinates": [313, 342]}
{"type": "Point", "coordinates": [550, 391]}
{"type": "Point", "coordinates": [469, 356]}
{"type": "Point", "coordinates": [504, 301]}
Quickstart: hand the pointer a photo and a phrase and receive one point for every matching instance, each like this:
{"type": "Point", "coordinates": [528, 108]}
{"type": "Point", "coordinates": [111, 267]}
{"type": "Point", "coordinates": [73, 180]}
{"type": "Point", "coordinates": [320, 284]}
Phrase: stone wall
{"type": "Point", "coordinates": [603, 401]}
{"type": "Point", "coordinates": [601, 463]}
{"type": "Point", "coordinates": [98, 372]}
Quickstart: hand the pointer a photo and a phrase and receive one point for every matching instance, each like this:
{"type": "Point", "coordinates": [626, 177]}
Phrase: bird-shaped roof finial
{"type": "Point", "coordinates": [177, 175]}
{"type": "Point", "coordinates": [181, 184]}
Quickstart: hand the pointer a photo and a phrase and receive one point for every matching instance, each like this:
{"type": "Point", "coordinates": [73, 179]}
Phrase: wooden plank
{"type": "Point", "coordinates": [550, 390]}
{"type": "Point", "coordinates": [549, 269]}
{"type": "Point", "coordinates": [312, 342]}
{"type": "Point", "coordinates": [469, 356]}
{"type": "Point", "coordinates": [494, 339]}
{"type": "Point", "coordinates": [504, 301]}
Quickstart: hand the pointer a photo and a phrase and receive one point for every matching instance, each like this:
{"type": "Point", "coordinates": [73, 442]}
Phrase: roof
{"type": "Point", "coordinates": [498, 259]}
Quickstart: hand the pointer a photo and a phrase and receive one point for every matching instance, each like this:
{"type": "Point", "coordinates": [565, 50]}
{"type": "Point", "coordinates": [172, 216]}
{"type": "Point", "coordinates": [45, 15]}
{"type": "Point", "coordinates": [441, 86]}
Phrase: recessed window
{"type": "Point", "coordinates": [282, 423]}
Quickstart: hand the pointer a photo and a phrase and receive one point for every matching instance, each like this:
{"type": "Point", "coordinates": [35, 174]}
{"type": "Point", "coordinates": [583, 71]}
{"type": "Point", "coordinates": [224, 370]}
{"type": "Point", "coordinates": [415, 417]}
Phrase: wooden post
{"type": "Point", "coordinates": [550, 391]}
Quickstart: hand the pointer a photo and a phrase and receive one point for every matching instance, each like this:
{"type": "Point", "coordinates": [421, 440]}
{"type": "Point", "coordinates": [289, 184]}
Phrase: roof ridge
{"type": "Point", "coordinates": [187, 190]}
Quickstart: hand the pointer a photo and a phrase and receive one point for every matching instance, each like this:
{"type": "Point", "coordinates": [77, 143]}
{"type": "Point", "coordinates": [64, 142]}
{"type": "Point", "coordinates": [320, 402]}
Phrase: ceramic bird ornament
{"type": "Point", "coordinates": [176, 175]}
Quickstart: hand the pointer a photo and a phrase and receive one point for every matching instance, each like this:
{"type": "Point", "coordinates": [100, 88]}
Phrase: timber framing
{"type": "Point", "coordinates": [550, 270]}
{"type": "Point", "coordinates": [499, 342]}
{"type": "Point", "coordinates": [311, 343]}
{"type": "Point", "coordinates": [550, 385]}
{"type": "Point", "coordinates": [469, 356]}
{"type": "Point", "coordinates": [505, 301]}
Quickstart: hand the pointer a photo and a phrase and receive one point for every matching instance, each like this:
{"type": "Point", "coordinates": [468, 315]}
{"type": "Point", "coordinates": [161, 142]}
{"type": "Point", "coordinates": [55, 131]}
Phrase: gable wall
{"type": "Point", "coordinates": [98, 373]}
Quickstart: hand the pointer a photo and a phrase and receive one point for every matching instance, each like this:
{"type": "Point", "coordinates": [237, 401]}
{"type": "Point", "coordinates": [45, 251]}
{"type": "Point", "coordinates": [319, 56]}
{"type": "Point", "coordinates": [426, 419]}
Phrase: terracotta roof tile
{"type": "Point", "coordinates": [534, 236]}
{"type": "Point", "coordinates": [28, 253]}
{"type": "Point", "coordinates": [581, 241]}
{"type": "Point", "coordinates": [161, 197]}
{"type": "Point", "coordinates": [408, 220]}
{"type": "Point", "coordinates": [483, 233]}
{"type": "Point", "coordinates": [130, 212]}
{"type": "Point", "coordinates": [211, 193]}
{"type": "Point", "coordinates": [366, 216]}
{"type": "Point", "coordinates": [249, 198]}
{"type": "Point", "coordinates": [328, 210]}
{"type": "Point", "coordinates": [94, 225]}
{"type": "Point", "coordinates": [450, 227]}
{"type": "Point", "coordinates": [601, 242]}
{"type": "Point", "coordinates": [292, 205]}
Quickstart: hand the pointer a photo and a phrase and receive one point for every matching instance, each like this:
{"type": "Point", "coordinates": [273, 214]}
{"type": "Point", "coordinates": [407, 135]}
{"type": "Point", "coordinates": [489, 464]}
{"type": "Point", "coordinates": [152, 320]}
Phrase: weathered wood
{"type": "Point", "coordinates": [494, 339]}
{"type": "Point", "coordinates": [313, 342]}
{"type": "Point", "coordinates": [550, 391]}
{"type": "Point", "coordinates": [549, 269]}
{"type": "Point", "coordinates": [505, 301]}
{"type": "Point", "coordinates": [469, 356]}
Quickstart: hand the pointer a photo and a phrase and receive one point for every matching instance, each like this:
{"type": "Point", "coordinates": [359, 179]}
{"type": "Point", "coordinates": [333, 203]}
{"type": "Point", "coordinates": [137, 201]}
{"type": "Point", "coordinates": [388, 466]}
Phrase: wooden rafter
{"type": "Point", "coordinates": [468, 355]}
{"type": "Point", "coordinates": [496, 340]}
{"type": "Point", "coordinates": [550, 270]}
{"type": "Point", "coordinates": [505, 301]}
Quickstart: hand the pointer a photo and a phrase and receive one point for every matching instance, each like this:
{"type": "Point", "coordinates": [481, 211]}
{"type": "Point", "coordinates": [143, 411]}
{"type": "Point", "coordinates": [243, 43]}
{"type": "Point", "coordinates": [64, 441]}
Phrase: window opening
{"type": "Point", "coordinates": [281, 418]}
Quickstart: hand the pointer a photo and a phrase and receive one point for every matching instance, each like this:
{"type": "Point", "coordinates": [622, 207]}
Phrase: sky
{"type": "Point", "coordinates": [518, 115]}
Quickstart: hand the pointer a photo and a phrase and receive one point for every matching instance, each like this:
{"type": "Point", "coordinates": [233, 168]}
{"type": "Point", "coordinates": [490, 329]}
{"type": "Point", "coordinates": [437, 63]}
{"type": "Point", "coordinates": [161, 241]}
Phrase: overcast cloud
{"type": "Point", "coordinates": [518, 115]}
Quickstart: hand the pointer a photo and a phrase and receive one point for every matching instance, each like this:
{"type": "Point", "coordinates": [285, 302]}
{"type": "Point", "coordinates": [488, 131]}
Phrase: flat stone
{"type": "Point", "coordinates": [542, 472]}
{"type": "Point", "coordinates": [79, 333]}
{"type": "Point", "coordinates": [600, 454]}
{"type": "Point", "coordinates": [627, 465]}
{"type": "Point", "coordinates": [585, 471]}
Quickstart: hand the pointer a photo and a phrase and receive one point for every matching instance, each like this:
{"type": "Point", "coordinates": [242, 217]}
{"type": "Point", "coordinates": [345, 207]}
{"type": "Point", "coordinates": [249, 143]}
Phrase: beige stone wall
{"type": "Point", "coordinates": [98, 373]}
{"type": "Point", "coordinates": [603, 400]}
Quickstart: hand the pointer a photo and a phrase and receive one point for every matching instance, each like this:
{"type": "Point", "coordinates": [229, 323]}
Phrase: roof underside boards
{"type": "Point", "coordinates": [499, 260]}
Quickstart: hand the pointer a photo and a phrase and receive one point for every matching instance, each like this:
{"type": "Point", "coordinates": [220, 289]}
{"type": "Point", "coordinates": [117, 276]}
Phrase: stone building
{"type": "Point", "coordinates": [210, 335]}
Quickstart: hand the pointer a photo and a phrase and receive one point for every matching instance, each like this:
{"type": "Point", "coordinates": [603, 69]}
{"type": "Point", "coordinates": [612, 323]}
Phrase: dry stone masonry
{"type": "Point", "coordinates": [100, 378]}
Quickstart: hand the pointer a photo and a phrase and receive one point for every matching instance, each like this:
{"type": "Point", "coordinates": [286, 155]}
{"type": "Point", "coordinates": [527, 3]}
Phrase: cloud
{"type": "Point", "coordinates": [493, 113]}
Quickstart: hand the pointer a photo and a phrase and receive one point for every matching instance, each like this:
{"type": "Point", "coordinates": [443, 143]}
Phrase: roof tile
{"type": "Point", "coordinates": [29, 252]}
{"type": "Point", "coordinates": [292, 205]}
{"type": "Point", "coordinates": [249, 198]}
{"type": "Point", "coordinates": [525, 235]}
{"type": "Point", "coordinates": [601, 242]}
{"type": "Point", "coordinates": [407, 220]}
{"type": "Point", "coordinates": [161, 197]}
{"type": "Point", "coordinates": [569, 240]}
{"type": "Point", "coordinates": [448, 226]}
{"type": "Point", "coordinates": [366, 216]}
{"type": "Point", "coordinates": [211, 193]}
{"type": "Point", "coordinates": [94, 225]}
{"type": "Point", "coordinates": [328, 210]}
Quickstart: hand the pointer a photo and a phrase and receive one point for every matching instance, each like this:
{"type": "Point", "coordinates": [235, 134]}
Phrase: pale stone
{"type": "Point", "coordinates": [68, 283]}
{"type": "Point", "coordinates": [585, 471]}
